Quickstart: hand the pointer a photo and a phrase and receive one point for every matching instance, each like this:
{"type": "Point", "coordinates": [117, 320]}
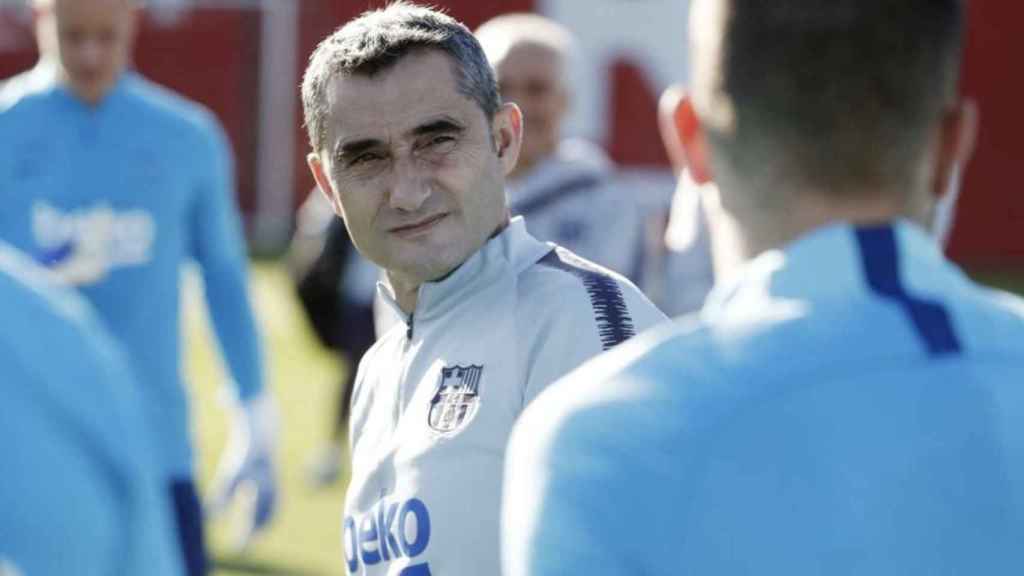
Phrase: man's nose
{"type": "Point", "coordinates": [410, 186]}
{"type": "Point", "coordinates": [90, 53]}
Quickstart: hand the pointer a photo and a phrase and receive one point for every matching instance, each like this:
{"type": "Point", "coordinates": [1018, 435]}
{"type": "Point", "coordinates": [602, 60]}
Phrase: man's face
{"type": "Point", "coordinates": [90, 39]}
{"type": "Point", "coordinates": [531, 76]}
{"type": "Point", "coordinates": [414, 167]}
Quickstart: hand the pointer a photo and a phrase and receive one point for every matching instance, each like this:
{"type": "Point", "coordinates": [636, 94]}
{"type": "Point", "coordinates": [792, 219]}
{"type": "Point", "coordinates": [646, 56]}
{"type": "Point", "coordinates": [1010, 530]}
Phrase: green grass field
{"type": "Point", "coordinates": [305, 538]}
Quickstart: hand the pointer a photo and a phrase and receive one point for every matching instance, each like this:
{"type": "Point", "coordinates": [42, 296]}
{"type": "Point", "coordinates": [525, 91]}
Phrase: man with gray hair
{"type": "Point", "coordinates": [565, 188]}
{"type": "Point", "coordinates": [849, 402]}
{"type": "Point", "coordinates": [411, 145]}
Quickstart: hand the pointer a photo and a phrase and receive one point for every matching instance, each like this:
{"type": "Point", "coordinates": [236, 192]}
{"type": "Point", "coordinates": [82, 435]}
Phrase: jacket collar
{"type": "Point", "coordinates": [832, 262]}
{"type": "Point", "coordinates": [511, 251]}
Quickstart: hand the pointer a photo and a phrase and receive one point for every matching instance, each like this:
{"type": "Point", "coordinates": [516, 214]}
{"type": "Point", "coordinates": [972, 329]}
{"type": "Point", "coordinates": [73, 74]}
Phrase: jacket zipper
{"type": "Point", "coordinates": [405, 372]}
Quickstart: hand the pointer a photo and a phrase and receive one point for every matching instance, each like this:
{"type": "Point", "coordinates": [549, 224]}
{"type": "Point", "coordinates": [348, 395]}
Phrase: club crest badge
{"type": "Point", "coordinates": [456, 400]}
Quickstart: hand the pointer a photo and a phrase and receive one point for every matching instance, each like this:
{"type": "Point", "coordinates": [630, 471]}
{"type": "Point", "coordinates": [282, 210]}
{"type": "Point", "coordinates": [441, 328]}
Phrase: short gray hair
{"type": "Point", "coordinates": [376, 40]}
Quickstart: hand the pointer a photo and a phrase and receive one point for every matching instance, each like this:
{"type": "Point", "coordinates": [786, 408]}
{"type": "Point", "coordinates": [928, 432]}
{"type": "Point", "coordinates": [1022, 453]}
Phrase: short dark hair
{"type": "Point", "coordinates": [378, 39]}
{"type": "Point", "coordinates": [835, 94]}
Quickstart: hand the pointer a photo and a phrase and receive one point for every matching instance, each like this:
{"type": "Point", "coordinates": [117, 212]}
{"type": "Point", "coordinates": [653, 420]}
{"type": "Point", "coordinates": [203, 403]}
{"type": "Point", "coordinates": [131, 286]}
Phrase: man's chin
{"type": "Point", "coordinates": [91, 92]}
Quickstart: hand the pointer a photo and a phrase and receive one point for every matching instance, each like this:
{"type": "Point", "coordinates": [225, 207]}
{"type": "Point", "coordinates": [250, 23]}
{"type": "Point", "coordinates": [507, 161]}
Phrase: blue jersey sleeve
{"type": "Point", "coordinates": [579, 496]}
{"type": "Point", "coordinates": [557, 512]}
{"type": "Point", "coordinates": [219, 248]}
{"type": "Point", "coordinates": [81, 493]}
{"type": "Point", "coordinates": [567, 484]}
{"type": "Point", "coordinates": [149, 532]}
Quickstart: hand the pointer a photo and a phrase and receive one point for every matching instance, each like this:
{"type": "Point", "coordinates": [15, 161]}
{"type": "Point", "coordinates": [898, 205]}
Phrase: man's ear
{"type": "Point", "coordinates": [692, 140]}
{"type": "Point", "coordinates": [134, 17]}
{"type": "Point", "coordinates": [316, 166]}
{"type": "Point", "coordinates": [508, 135]}
{"type": "Point", "coordinates": [667, 105]}
{"type": "Point", "coordinates": [958, 133]}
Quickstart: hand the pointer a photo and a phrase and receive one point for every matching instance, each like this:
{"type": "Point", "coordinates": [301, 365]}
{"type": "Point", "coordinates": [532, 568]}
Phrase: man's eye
{"type": "Point", "coordinates": [72, 36]}
{"type": "Point", "coordinates": [364, 158]}
{"type": "Point", "coordinates": [441, 143]}
{"type": "Point", "coordinates": [106, 37]}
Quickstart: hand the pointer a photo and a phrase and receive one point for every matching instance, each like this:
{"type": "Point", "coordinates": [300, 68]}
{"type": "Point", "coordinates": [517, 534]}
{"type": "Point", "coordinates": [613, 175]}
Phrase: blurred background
{"type": "Point", "coordinates": [244, 58]}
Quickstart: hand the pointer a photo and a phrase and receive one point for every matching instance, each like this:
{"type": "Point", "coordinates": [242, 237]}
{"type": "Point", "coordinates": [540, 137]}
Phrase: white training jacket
{"type": "Point", "coordinates": [436, 398]}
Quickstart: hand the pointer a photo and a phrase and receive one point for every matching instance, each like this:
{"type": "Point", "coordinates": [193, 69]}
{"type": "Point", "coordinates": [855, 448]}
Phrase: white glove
{"type": "Point", "coordinates": [247, 467]}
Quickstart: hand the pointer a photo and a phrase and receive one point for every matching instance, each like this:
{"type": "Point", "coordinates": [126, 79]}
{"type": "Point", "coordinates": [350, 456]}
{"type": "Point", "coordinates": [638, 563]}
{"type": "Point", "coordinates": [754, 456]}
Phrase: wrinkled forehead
{"type": "Point", "coordinates": [416, 89]}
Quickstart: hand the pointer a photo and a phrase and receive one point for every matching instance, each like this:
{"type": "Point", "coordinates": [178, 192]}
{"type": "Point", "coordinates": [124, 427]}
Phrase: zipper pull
{"type": "Point", "coordinates": [408, 328]}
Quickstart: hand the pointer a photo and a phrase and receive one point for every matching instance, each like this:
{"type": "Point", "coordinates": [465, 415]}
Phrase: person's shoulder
{"type": "Point", "coordinates": [586, 167]}
{"type": "Point", "coordinates": [174, 109]}
{"type": "Point", "coordinates": [41, 315]}
{"type": "Point", "coordinates": [648, 386]}
{"type": "Point", "coordinates": [68, 392]}
{"type": "Point", "coordinates": [1010, 305]}
{"type": "Point", "coordinates": [584, 155]}
{"type": "Point", "coordinates": [700, 365]}
{"type": "Point", "coordinates": [23, 92]}
{"type": "Point", "coordinates": [561, 268]}
{"type": "Point", "coordinates": [989, 320]}
{"type": "Point", "coordinates": [89, 377]}
{"type": "Point", "coordinates": [28, 289]}
{"type": "Point", "coordinates": [562, 280]}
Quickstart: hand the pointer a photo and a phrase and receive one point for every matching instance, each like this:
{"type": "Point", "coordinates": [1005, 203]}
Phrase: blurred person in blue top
{"type": "Point", "coordinates": [848, 402]}
{"type": "Point", "coordinates": [81, 493]}
{"type": "Point", "coordinates": [114, 183]}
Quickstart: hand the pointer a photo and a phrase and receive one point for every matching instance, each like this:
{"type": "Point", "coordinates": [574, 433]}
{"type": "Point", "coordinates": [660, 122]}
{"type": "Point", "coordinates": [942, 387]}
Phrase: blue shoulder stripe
{"type": "Point", "coordinates": [555, 194]}
{"type": "Point", "coordinates": [614, 324]}
{"type": "Point", "coordinates": [880, 258]}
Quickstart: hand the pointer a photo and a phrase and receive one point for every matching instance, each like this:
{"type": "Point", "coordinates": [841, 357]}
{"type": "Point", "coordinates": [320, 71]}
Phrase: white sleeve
{"type": "Point", "coordinates": [563, 323]}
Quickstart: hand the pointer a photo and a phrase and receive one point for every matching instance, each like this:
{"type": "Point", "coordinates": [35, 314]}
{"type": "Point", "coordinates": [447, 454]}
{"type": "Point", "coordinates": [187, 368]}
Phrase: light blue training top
{"type": "Point", "coordinates": [79, 490]}
{"type": "Point", "coordinates": [136, 187]}
{"type": "Point", "coordinates": [852, 404]}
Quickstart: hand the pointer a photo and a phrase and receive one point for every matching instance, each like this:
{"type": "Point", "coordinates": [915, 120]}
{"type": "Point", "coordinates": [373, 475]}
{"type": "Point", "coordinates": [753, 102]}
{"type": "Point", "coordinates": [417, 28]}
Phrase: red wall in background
{"type": "Point", "coordinates": [990, 229]}
{"type": "Point", "coordinates": [212, 55]}
{"type": "Point", "coordinates": [217, 63]}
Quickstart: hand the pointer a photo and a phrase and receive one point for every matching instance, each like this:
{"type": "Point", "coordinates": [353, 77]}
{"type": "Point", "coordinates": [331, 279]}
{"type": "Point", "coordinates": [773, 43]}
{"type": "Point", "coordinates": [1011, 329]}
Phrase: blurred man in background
{"type": "Point", "coordinates": [81, 493]}
{"type": "Point", "coordinates": [848, 403]}
{"type": "Point", "coordinates": [564, 188]}
{"type": "Point", "coordinates": [115, 183]}
{"type": "Point", "coordinates": [412, 144]}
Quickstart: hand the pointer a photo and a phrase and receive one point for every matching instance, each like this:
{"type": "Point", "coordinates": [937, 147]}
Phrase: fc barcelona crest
{"type": "Point", "coordinates": [457, 398]}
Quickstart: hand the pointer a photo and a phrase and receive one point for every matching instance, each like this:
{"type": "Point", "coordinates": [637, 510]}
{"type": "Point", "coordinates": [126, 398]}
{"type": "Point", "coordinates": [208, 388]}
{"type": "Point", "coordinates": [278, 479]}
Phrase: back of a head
{"type": "Point", "coordinates": [377, 39]}
{"type": "Point", "coordinates": [836, 95]}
